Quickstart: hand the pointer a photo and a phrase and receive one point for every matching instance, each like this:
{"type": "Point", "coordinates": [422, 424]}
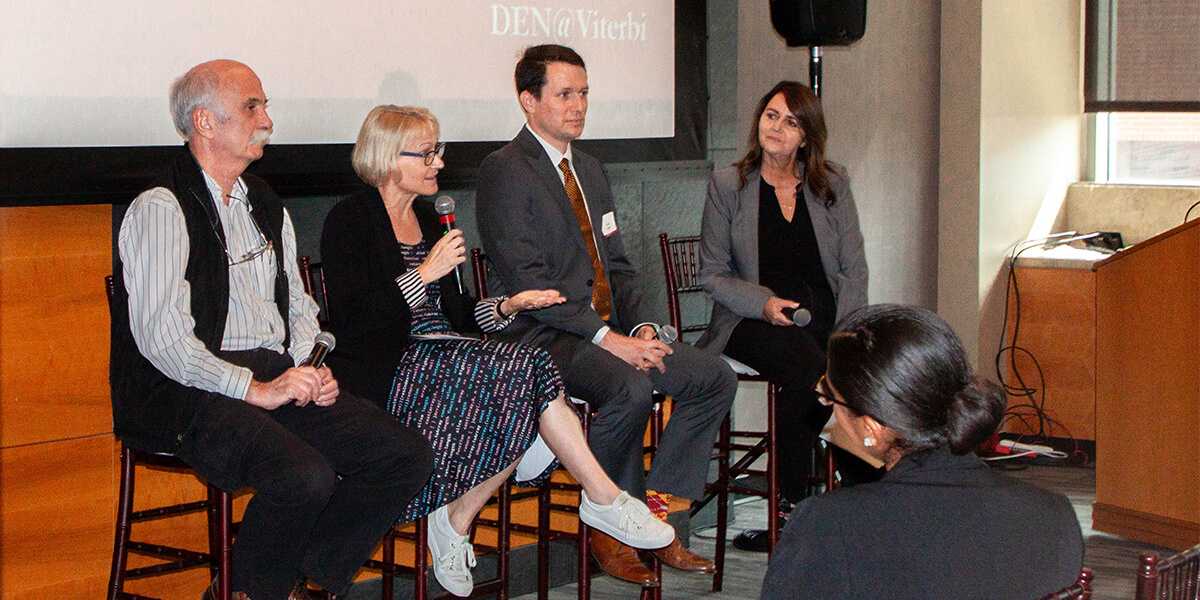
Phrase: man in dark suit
{"type": "Point", "coordinates": [547, 221]}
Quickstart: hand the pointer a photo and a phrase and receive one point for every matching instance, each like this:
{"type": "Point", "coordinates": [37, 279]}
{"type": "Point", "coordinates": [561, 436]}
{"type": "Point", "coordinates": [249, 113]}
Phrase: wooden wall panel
{"type": "Point", "coordinates": [1058, 326]}
{"type": "Point", "coordinates": [57, 504]}
{"type": "Point", "coordinates": [54, 323]}
{"type": "Point", "coordinates": [1148, 378]}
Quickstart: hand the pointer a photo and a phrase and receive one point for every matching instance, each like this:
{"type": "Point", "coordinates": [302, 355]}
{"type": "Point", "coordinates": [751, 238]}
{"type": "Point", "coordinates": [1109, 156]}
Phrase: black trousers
{"type": "Point", "coordinates": [792, 358]}
{"type": "Point", "coordinates": [329, 482]}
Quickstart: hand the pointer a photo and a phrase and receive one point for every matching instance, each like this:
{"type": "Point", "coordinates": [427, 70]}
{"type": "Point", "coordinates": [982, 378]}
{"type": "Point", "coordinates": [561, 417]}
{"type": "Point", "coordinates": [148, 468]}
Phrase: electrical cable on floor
{"type": "Point", "coordinates": [1020, 411]}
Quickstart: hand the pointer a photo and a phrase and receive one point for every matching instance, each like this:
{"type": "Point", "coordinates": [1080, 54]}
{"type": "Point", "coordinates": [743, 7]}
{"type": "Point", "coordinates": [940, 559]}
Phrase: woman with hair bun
{"type": "Point", "coordinates": [941, 523]}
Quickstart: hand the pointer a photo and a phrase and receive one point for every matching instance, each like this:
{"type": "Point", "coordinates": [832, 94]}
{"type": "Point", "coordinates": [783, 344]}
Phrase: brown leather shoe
{"type": "Point", "coordinates": [675, 555]}
{"type": "Point", "coordinates": [620, 560]}
{"type": "Point", "coordinates": [211, 593]}
{"type": "Point", "coordinates": [301, 591]}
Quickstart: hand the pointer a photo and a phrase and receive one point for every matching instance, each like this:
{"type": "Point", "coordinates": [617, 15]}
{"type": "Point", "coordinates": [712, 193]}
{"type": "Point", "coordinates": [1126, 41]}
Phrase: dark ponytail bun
{"type": "Point", "coordinates": [974, 415]}
{"type": "Point", "coordinates": [904, 367]}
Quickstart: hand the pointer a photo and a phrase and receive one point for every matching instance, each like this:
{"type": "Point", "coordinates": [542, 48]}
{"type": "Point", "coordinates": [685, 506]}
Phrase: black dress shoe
{"type": "Point", "coordinates": [752, 540]}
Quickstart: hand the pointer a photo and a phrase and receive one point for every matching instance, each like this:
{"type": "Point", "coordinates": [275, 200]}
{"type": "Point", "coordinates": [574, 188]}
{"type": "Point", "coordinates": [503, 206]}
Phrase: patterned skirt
{"type": "Point", "coordinates": [478, 403]}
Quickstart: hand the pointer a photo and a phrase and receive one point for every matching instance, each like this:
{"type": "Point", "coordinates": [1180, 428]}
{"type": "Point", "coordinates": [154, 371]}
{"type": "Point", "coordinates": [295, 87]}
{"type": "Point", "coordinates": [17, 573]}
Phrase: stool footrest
{"type": "Point", "coordinates": [169, 511]}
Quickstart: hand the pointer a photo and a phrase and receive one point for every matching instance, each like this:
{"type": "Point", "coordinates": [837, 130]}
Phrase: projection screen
{"type": "Point", "coordinates": [83, 85]}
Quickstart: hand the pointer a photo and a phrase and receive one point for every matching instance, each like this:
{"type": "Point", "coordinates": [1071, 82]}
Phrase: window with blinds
{"type": "Point", "coordinates": [1142, 79]}
{"type": "Point", "coordinates": [1142, 55]}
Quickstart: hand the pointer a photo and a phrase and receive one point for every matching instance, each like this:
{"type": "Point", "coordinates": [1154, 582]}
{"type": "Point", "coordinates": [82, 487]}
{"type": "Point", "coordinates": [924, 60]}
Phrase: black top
{"type": "Point", "coordinates": [789, 260]}
{"type": "Point", "coordinates": [936, 526]}
{"type": "Point", "coordinates": [361, 259]}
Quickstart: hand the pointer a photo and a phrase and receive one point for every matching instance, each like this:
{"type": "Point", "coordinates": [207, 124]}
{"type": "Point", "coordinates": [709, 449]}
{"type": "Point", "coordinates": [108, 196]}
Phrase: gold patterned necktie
{"type": "Point", "coordinates": [601, 293]}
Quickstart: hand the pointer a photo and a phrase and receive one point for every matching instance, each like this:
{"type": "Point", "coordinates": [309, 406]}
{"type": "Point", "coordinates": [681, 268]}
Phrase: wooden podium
{"type": "Point", "coordinates": [1148, 390]}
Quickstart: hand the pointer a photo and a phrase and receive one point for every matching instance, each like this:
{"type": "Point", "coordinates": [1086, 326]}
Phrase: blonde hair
{"type": "Point", "coordinates": [383, 135]}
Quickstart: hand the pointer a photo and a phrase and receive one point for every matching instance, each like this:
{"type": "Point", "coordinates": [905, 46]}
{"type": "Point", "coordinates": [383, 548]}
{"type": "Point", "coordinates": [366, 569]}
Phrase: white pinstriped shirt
{"type": "Point", "coordinates": [153, 245]}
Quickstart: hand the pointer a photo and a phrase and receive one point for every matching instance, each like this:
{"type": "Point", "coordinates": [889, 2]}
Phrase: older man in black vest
{"type": "Point", "coordinates": [210, 323]}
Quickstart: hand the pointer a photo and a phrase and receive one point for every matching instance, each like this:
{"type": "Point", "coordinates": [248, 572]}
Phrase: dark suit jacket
{"type": "Point", "coordinates": [936, 526]}
{"type": "Point", "coordinates": [533, 241]}
{"type": "Point", "coordinates": [361, 260]}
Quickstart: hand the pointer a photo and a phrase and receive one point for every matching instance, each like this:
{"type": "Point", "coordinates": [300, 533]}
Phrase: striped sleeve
{"type": "Point", "coordinates": [487, 315]}
{"type": "Point", "coordinates": [153, 245]}
{"type": "Point", "coordinates": [413, 288]}
{"type": "Point", "coordinates": [302, 308]}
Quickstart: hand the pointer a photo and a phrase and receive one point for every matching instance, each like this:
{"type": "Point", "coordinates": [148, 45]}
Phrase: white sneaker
{"type": "Point", "coordinates": [453, 555]}
{"type": "Point", "coordinates": [628, 520]}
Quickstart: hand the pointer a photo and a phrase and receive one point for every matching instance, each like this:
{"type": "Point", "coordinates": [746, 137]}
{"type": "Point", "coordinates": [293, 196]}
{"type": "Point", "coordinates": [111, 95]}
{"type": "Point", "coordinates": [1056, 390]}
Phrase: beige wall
{"type": "Point", "coordinates": [881, 106]}
{"type": "Point", "coordinates": [958, 194]}
{"type": "Point", "coordinates": [1011, 140]}
{"type": "Point", "coordinates": [1031, 136]}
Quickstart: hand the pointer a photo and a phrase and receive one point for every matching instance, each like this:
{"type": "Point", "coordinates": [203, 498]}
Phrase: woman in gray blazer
{"type": "Point", "coordinates": [780, 236]}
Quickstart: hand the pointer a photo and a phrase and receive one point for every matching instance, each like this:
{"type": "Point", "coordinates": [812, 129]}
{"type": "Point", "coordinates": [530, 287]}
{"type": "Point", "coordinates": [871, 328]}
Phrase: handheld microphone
{"type": "Point", "coordinates": [323, 343]}
{"type": "Point", "coordinates": [444, 206]}
{"type": "Point", "coordinates": [667, 334]}
{"type": "Point", "coordinates": [445, 210]}
{"type": "Point", "coordinates": [799, 316]}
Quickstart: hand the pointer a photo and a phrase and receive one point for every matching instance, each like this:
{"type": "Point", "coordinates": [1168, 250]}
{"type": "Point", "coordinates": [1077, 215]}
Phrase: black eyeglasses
{"type": "Point", "coordinates": [826, 395]}
{"type": "Point", "coordinates": [438, 150]}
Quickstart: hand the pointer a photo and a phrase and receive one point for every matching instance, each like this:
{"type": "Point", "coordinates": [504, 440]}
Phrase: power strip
{"type": "Point", "coordinates": [1019, 447]}
{"type": "Point", "coordinates": [1013, 449]}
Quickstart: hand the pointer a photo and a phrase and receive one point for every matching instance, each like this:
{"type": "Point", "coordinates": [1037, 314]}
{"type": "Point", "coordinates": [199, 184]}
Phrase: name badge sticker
{"type": "Point", "coordinates": [608, 224]}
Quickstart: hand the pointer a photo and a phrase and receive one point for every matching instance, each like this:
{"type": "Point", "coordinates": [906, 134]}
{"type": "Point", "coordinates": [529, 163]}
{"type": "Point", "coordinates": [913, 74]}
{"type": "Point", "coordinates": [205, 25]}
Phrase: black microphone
{"type": "Point", "coordinates": [445, 210]}
{"type": "Point", "coordinates": [799, 316]}
{"type": "Point", "coordinates": [444, 206]}
{"type": "Point", "coordinates": [322, 345]}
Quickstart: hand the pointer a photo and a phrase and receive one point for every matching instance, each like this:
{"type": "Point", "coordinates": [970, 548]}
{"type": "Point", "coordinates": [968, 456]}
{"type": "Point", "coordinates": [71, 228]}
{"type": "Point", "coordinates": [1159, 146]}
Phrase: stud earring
{"type": "Point", "coordinates": [868, 442]}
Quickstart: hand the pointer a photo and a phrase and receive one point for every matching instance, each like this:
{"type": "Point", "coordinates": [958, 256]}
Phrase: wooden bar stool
{"type": "Point", "coordinates": [681, 268]}
{"type": "Point", "coordinates": [218, 505]}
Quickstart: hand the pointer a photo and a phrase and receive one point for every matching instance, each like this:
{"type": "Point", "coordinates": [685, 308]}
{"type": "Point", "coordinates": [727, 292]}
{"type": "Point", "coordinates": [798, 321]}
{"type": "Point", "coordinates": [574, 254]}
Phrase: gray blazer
{"type": "Point", "coordinates": [533, 241]}
{"type": "Point", "coordinates": [729, 250]}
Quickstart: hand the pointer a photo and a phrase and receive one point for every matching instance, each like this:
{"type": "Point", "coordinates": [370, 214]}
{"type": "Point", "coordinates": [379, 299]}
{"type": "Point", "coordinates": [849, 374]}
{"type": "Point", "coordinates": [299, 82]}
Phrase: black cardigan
{"type": "Point", "coordinates": [361, 260]}
{"type": "Point", "coordinates": [936, 526]}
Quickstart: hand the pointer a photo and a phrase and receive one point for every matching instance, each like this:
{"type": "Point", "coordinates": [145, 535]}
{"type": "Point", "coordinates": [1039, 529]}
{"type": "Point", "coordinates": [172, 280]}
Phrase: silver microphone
{"type": "Point", "coordinates": [444, 206]}
{"type": "Point", "coordinates": [322, 345]}
{"type": "Point", "coordinates": [667, 334]}
{"type": "Point", "coordinates": [799, 316]}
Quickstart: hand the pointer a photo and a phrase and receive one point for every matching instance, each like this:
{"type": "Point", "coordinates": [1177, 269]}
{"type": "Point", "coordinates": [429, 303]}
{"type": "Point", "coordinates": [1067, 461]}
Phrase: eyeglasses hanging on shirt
{"type": "Point", "coordinates": [264, 245]}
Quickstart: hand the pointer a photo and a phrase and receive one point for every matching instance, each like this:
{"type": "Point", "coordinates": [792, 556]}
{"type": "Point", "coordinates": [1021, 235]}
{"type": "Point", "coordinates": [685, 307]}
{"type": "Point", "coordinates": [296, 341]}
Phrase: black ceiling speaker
{"type": "Point", "coordinates": [820, 22]}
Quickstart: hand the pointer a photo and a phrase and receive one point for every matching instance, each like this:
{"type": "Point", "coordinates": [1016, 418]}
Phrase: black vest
{"type": "Point", "coordinates": [151, 411]}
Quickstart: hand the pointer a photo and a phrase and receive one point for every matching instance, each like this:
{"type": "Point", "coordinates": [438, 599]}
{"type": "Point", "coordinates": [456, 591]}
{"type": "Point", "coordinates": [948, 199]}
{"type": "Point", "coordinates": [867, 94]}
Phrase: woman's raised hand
{"type": "Point", "coordinates": [531, 300]}
{"type": "Point", "coordinates": [447, 253]}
